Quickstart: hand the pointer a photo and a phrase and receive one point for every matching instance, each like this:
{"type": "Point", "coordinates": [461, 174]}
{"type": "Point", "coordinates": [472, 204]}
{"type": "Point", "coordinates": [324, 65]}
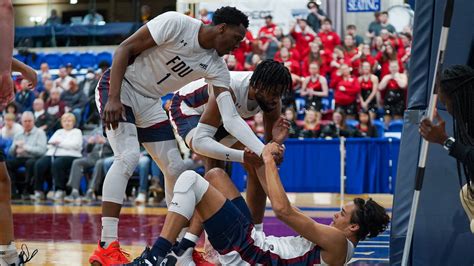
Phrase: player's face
{"type": "Point", "coordinates": [267, 100]}
{"type": "Point", "coordinates": [342, 219]}
{"type": "Point", "coordinates": [229, 38]}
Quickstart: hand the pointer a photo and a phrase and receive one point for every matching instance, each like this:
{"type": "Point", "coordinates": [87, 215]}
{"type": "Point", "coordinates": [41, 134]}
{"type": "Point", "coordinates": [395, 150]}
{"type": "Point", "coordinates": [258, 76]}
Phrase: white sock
{"type": "Point", "coordinates": [258, 227]}
{"type": "Point", "coordinates": [109, 230]}
{"type": "Point", "coordinates": [191, 237]}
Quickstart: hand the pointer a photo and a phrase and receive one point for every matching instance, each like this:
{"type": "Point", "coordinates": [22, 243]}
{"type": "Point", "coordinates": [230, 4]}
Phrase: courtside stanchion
{"type": "Point", "coordinates": [420, 172]}
{"type": "Point", "coordinates": [342, 149]}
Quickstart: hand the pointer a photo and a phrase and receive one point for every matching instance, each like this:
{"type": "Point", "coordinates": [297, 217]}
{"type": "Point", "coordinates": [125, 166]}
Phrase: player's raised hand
{"type": "Point", "coordinates": [280, 130]}
{"type": "Point", "coordinates": [113, 111]}
{"type": "Point", "coordinates": [273, 151]}
{"type": "Point", "coordinates": [7, 93]}
{"type": "Point", "coordinates": [30, 75]}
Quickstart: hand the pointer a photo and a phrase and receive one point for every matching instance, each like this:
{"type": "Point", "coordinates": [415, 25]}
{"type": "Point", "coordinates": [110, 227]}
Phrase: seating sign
{"type": "Point", "coordinates": [362, 5]}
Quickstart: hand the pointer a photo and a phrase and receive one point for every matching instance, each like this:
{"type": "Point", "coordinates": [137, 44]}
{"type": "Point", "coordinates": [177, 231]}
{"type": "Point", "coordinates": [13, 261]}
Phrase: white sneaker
{"type": "Point", "coordinates": [9, 257]}
{"type": "Point", "coordinates": [39, 195]}
{"type": "Point", "coordinates": [89, 195]}
{"type": "Point", "coordinates": [186, 259]}
{"type": "Point", "coordinates": [467, 202]}
{"type": "Point", "coordinates": [50, 195]}
{"type": "Point", "coordinates": [74, 196]}
{"type": "Point", "coordinates": [141, 198]}
{"type": "Point", "coordinates": [59, 195]}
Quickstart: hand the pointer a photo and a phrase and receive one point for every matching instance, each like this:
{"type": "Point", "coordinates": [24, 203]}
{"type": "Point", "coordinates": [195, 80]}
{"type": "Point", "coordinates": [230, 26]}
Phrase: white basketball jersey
{"type": "Point", "coordinates": [239, 85]}
{"type": "Point", "coordinates": [176, 60]}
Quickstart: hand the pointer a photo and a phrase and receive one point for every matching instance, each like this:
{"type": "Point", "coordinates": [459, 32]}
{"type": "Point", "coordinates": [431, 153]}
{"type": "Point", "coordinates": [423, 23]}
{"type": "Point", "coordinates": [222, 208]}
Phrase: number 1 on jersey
{"type": "Point", "coordinates": [163, 79]}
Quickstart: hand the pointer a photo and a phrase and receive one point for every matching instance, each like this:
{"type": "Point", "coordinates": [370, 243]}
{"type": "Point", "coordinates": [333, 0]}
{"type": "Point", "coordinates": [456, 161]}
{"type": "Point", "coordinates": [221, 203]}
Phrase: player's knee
{"type": "Point", "coordinates": [190, 181]}
{"type": "Point", "coordinates": [129, 160]}
{"type": "Point", "coordinates": [215, 174]}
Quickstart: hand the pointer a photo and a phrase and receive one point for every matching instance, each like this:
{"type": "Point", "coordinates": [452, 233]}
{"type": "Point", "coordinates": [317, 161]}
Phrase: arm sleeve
{"type": "Point", "coordinates": [165, 26]}
{"type": "Point", "coordinates": [464, 153]}
{"type": "Point", "coordinates": [205, 144]}
{"type": "Point", "coordinates": [219, 75]}
{"type": "Point", "coordinates": [235, 125]}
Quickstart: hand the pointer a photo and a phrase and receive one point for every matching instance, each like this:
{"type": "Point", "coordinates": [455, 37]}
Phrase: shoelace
{"type": "Point", "coordinates": [25, 256]}
{"type": "Point", "coordinates": [118, 253]}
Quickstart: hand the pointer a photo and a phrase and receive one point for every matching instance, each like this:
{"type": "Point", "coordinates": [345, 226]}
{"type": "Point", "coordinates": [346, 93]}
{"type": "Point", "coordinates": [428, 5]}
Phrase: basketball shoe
{"type": "Point", "coordinates": [13, 258]}
{"type": "Point", "coordinates": [467, 201]}
{"type": "Point", "coordinates": [112, 255]}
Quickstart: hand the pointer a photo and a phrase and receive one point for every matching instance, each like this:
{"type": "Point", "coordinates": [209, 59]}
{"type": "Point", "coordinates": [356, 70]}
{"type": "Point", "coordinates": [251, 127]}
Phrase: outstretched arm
{"type": "Point", "coordinates": [6, 48]}
{"type": "Point", "coordinates": [332, 241]}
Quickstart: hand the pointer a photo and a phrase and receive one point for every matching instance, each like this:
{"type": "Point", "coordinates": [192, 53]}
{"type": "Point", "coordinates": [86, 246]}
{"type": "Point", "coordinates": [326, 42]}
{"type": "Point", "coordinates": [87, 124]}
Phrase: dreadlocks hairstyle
{"type": "Point", "coordinates": [271, 76]}
{"type": "Point", "coordinates": [371, 218]}
{"type": "Point", "coordinates": [231, 16]}
{"type": "Point", "coordinates": [457, 84]}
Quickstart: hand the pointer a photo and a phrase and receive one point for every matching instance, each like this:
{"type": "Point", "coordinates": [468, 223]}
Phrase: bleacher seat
{"type": "Point", "coordinates": [395, 126]}
{"type": "Point", "coordinates": [71, 58]}
{"type": "Point", "coordinates": [54, 60]}
{"type": "Point", "coordinates": [35, 60]}
{"type": "Point", "coordinates": [380, 126]}
{"type": "Point", "coordinates": [104, 56]}
{"type": "Point", "coordinates": [20, 57]}
{"type": "Point", "coordinates": [300, 108]}
{"type": "Point", "coordinates": [87, 60]}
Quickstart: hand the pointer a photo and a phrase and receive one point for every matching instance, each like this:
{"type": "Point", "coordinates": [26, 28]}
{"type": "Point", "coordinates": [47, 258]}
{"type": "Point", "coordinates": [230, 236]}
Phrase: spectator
{"type": "Point", "coordinates": [47, 86]}
{"type": "Point", "coordinates": [365, 128]}
{"type": "Point", "coordinates": [338, 127]}
{"type": "Point", "coordinates": [53, 19]}
{"type": "Point", "coordinates": [254, 61]}
{"type": "Point", "coordinates": [351, 29]}
{"type": "Point", "coordinates": [63, 81]}
{"type": "Point", "coordinates": [384, 58]}
{"type": "Point", "coordinates": [75, 100]}
{"type": "Point", "coordinates": [258, 126]}
{"type": "Point", "coordinates": [11, 128]}
{"type": "Point", "coordinates": [287, 42]}
{"type": "Point", "coordinates": [384, 24]}
{"type": "Point", "coordinates": [97, 148]}
{"type": "Point", "coordinates": [315, 16]}
{"type": "Point", "coordinates": [377, 46]}
{"type": "Point", "coordinates": [87, 86]}
{"type": "Point", "coordinates": [405, 50]}
{"type": "Point", "coordinates": [366, 56]}
{"type": "Point", "coordinates": [270, 47]}
{"type": "Point", "coordinates": [312, 124]}
{"type": "Point", "coordinates": [63, 148]}
{"type": "Point", "coordinates": [374, 26]}
{"type": "Point", "coordinates": [293, 65]}
{"type": "Point", "coordinates": [394, 98]}
{"type": "Point", "coordinates": [93, 18]}
{"type": "Point", "coordinates": [103, 66]}
{"type": "Point", "coordinates": [346, 91]}
{"type": "Point", "coordinates": [338, 60]}
{"type": "Point", "coordinates": [329, 38]}
{"type": "Point", "coordinates": [268, 30]}
{"type": "Point", "coordinates": [319, 56]}
{"type": "Point", "coordinates": [43, 75]}
{"type": "Point", "coordinates": [69, 69]}
{"type": "Point", "coordinates": [352, 54]}
{"type": "Point", "coordinates": [314, 88]}
{"type": "Point", "coordinates": [25, 97]}
{"type": "Point", "coordinates": [12, 108]}
{"type": "Point", "coordinates": [290, 115]}
{"type": "Point", "coordinates": [24, 151]}
{"type": "Point", "coordinates": [369, 84]}
{"type": "Point", "coordinates": [204, 16]}
{"type": "Point", "coordinates": [145, 14]}
{"type": "Point", "coordinates": [246, 46]}
{"type": "Point", "coordinates": [43, 120]}
{"type": "Point", "coordinates": [232, 63]}
{"type": "Point", "coordinates": [303, 37]}
{"type": "Point", "coordinates": [55, 106]}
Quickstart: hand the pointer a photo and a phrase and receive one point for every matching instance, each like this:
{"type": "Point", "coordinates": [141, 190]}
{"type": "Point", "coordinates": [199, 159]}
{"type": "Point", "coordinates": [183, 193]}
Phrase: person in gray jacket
{"type": "Point", "coordinates": [97, 148]}
{"type": "Point", "coordinates": [24, 152]}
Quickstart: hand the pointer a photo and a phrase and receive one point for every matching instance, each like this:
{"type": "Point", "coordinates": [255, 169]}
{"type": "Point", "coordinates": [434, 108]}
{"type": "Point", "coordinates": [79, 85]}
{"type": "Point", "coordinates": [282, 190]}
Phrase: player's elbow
{"type": "Point", "coordinates": [282, 211]}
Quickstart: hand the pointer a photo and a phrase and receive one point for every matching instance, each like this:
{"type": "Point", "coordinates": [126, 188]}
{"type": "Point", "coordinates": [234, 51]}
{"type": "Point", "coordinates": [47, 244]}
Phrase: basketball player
{"type": "Point", "coordinates": [165, 54]}
{"type": "Point", "coordinates": [233, 235]}
{"type": "Point", "coordinates": [457, 94]}
{"type": "Point", "coordinates": [8, 253]}
{"type": "Point", "coordinates": [195, 115]}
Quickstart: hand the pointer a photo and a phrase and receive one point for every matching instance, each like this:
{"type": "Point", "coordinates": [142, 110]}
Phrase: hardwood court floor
{"type": "Point", "coordinates": [66, 234]}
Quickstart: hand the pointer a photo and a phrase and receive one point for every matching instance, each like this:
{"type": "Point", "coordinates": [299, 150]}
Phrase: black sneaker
{"type": "Point", "coordinates": [146, 259]}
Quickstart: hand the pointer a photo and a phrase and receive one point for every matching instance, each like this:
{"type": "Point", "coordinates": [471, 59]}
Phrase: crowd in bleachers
{"type": "Point", "coordinates": [350, 86]}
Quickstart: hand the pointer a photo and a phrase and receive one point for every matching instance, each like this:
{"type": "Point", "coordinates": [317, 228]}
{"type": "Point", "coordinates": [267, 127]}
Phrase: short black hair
{"type": "Point", "coordinates": [371, 218]}
{"type": "Point", "coordinates": [230, 15]}
{"type": "Point", "coordinates": [327, 20]}
{"type": "Point", "coordinates": [351, 26]}
{"type": "Point", "coordinates": [271, 76]}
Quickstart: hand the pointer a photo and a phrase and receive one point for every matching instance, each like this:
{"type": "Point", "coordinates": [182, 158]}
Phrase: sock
{"type": "Point", "coordinates": [258, 227]}
{"type": "Point", "coordinates": [109, 231]}
{"type": "Point", "coordinates": [161, 247]}
{"type": "Point", "coordinates": [189, 241]}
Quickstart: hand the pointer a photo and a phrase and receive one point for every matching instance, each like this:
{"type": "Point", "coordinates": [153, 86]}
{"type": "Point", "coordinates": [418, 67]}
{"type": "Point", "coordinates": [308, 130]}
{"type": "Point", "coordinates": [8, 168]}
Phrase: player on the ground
{"type": "Point", "coordinates": [232, 233]}
{"type": "Point", "coordinates": [8, 253]}
{"type": "Point", "coordinates": [165, 54]}
{"type": "Point", "coordinates": [193, 109]}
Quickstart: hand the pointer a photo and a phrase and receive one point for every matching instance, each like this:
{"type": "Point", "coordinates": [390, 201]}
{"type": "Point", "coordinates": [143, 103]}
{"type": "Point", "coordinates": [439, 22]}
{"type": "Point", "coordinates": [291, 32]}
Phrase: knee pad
{"type": "Point", "coordinates": [128, 160]}
{"type": "Point", "coordinates": [188, 191]}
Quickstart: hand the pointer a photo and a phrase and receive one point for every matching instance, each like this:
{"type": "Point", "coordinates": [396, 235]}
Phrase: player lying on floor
{"type": "Point", "coordinates": [232, 234]}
